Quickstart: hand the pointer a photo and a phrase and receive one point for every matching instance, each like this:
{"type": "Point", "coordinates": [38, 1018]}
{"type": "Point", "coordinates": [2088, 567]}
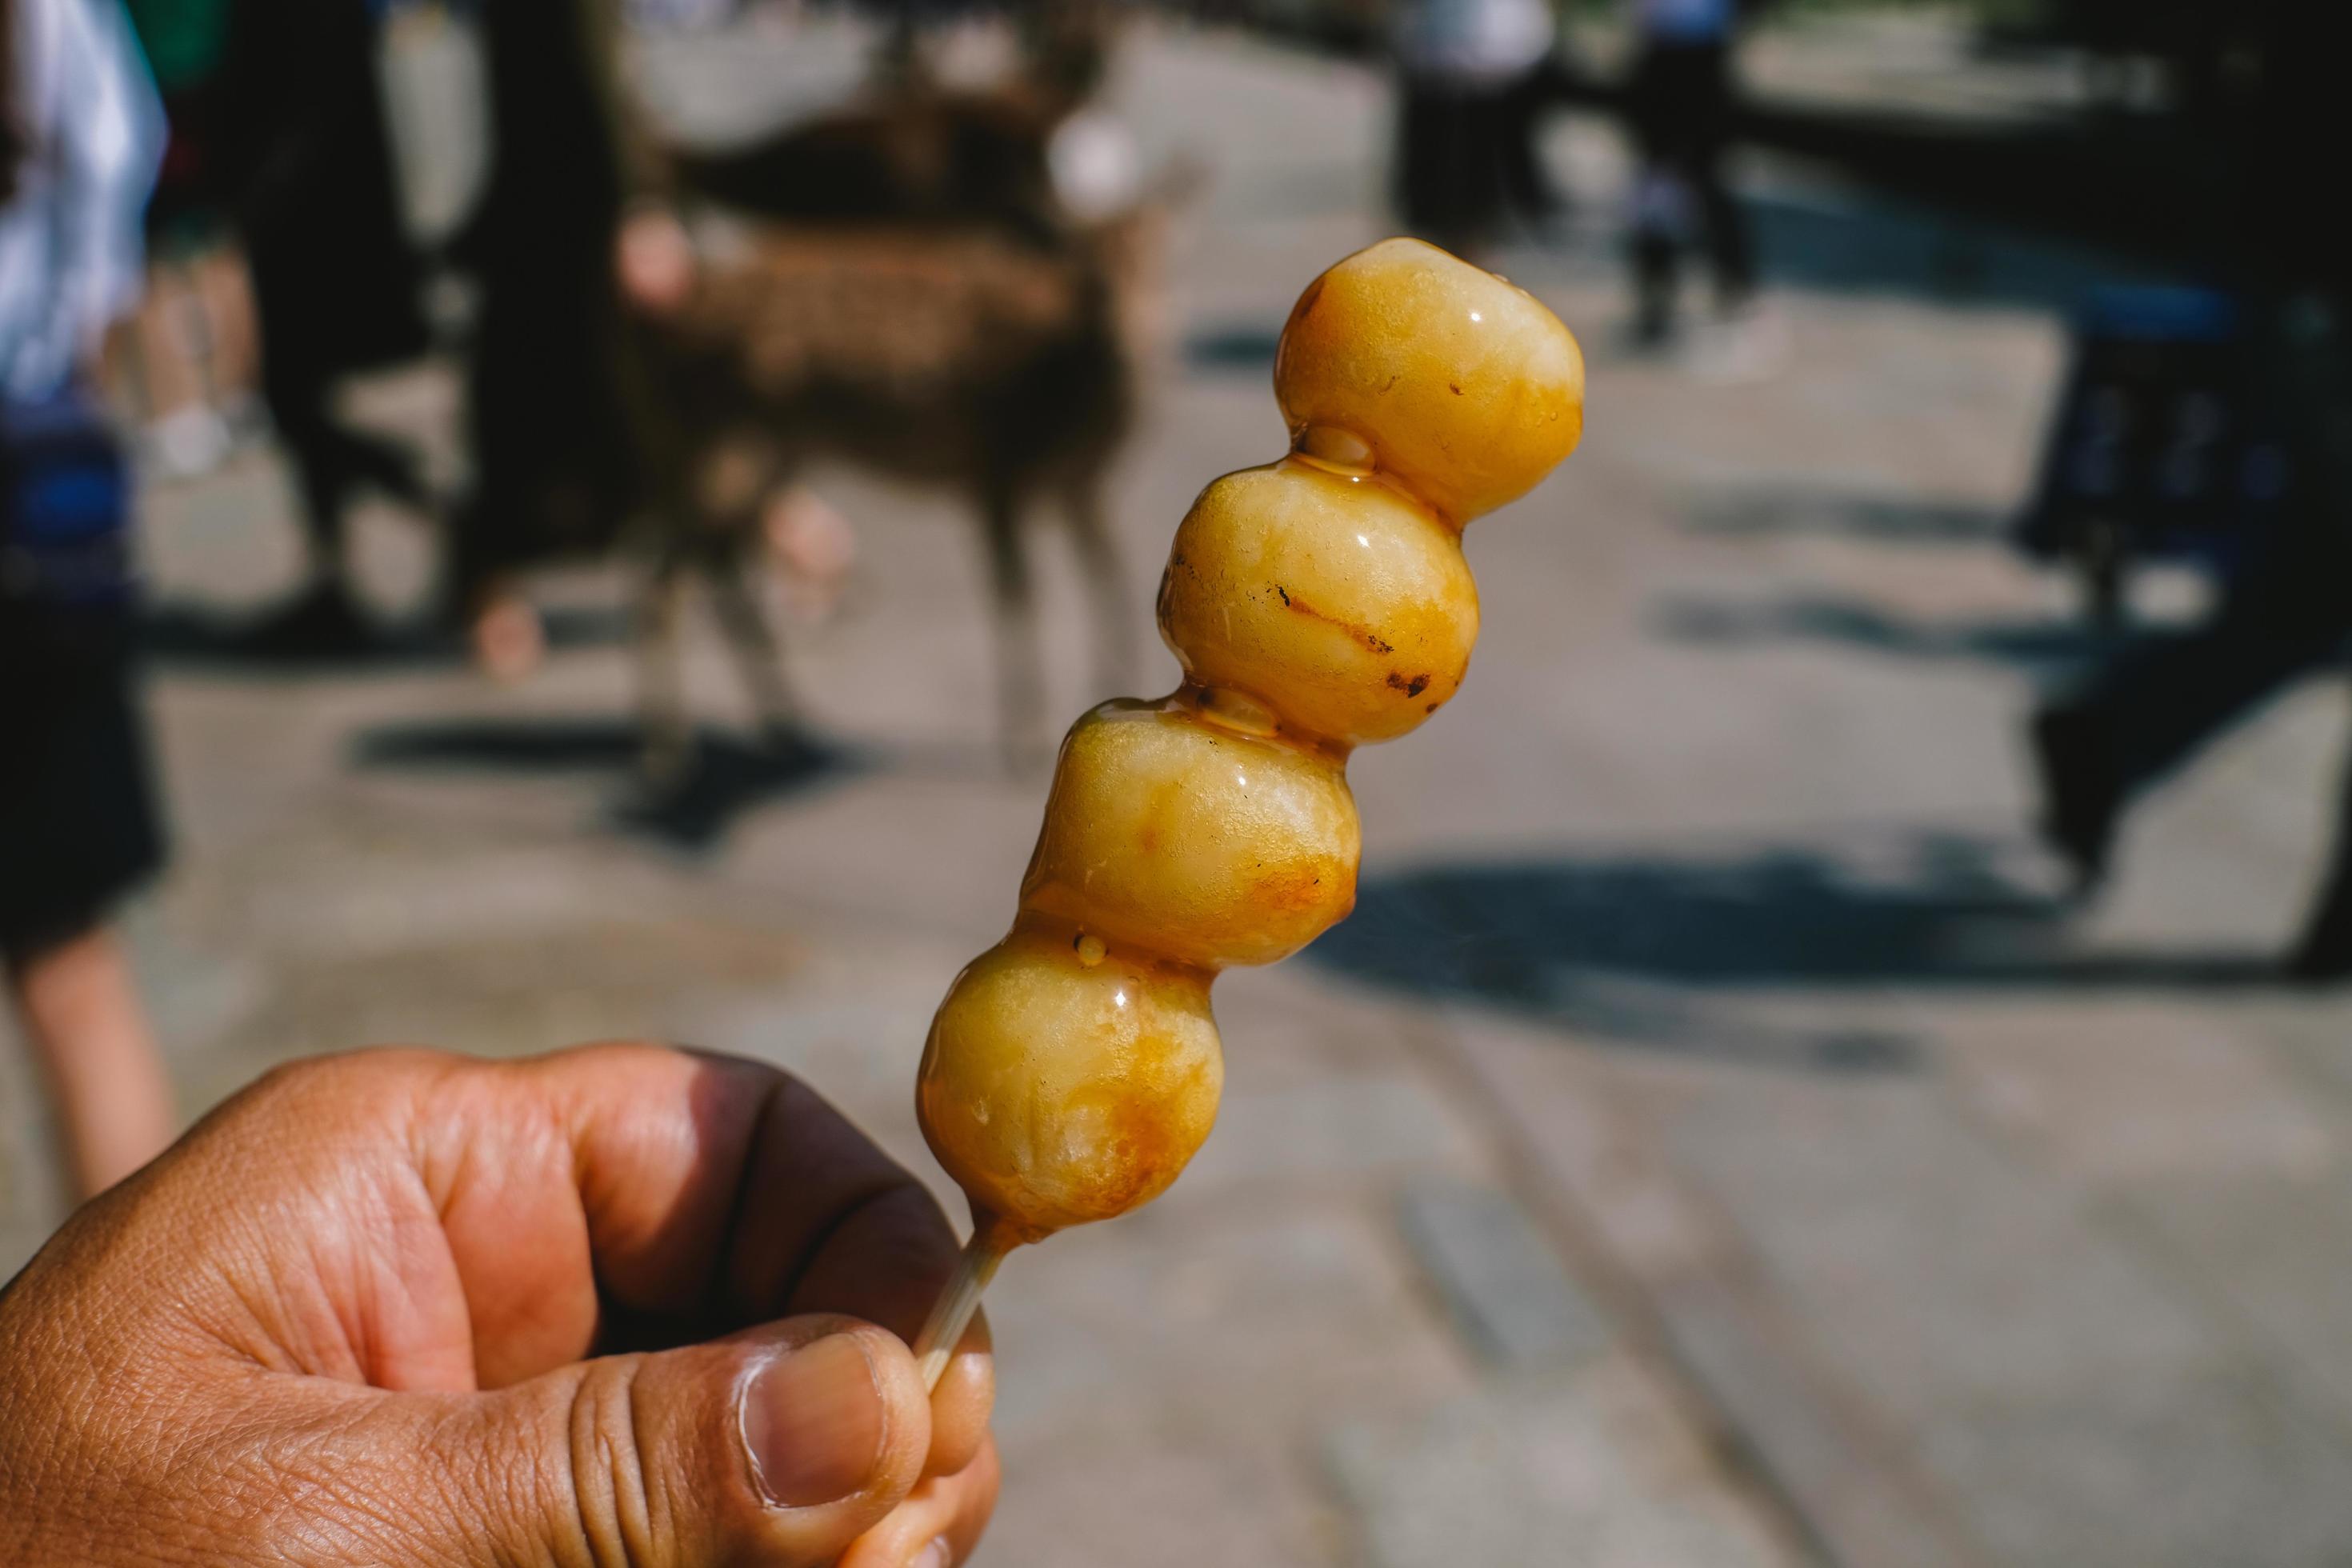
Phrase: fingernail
{"type": "Point", "coordinates": [937, 1554]}
{"type": "Point", "coordinates": [814, 1423]}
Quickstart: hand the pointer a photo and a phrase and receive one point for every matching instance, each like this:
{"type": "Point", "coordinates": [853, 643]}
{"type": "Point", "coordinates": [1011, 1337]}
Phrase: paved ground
{"type": "Point", "coordinates": [1709, 1145]}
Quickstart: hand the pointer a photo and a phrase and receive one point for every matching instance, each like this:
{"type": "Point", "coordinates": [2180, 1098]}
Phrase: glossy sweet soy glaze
{"type": "Point", "coordinates": [1315, 605]}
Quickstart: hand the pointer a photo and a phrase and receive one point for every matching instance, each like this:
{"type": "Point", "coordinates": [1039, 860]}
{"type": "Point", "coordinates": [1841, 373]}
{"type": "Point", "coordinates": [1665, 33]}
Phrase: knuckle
{"type": "Point", "coordinates": [616, 1517]}
{"type": "Point", "coordinates": [360, 1074]}
{"type": "Point", "coordinates": [291, 1080]}
{"type": "Point", "coordinates": [615, 1050]}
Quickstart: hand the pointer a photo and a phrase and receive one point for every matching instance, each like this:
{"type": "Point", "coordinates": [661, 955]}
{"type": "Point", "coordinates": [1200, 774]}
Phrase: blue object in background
{"type": "Point", "coordinates": [2163, 435]}
{"type": "Point", "coordinates": [65, 508]}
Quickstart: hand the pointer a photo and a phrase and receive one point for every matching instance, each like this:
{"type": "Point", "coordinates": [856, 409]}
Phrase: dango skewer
{"type": "Point", "coordinates": [1315, 605]}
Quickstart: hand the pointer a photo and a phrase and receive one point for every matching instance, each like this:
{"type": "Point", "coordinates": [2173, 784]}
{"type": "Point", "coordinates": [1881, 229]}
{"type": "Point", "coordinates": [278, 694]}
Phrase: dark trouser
{"type": "Point", "coordinates": [556, 463]}
{"type": "Point", "coordinates": [332, 462]}
{"type": "Point", "coordinates": [2287, 616]}
{"type": "Point", "coordinates": [1680, 106]}
{"type": "Point", "coordinates": [1465, 160]}
{"type": "Point", "coordinates": [79, 828]}
{"type": "Point", "coordinates": [2160, 702]}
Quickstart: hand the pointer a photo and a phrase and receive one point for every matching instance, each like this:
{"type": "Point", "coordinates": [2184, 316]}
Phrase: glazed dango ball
{"type": "Point", "coordinates": [1467, 388]}
{"type": "Point", "coordinates": [1315, 605]}
{"type": "Point", "coordinates": [1067, 1081]}
{"type": "Point", "coordinates": [1202, 842]}
{"type": "Point", "coordinates": [1341, 603]}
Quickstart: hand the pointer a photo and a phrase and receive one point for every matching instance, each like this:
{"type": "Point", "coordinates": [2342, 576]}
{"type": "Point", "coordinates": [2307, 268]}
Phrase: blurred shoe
{"type": "Point", "coordinates": [2323, 955]}
{"type": "Point", "coordinates": [1649, 333]}
{"type": "Point", "coordinates": [2081, 797]}
{"type": "Point", "coordinates": [246, 418]}
{"type": "Point", "coordinates": [1744, 346]}
{"type": "Point", "coordinates": [186, 442]}
{"type": "Point", "coordinates": [509, 641]}
{"type": "Point", "coordinates": [323, 623]}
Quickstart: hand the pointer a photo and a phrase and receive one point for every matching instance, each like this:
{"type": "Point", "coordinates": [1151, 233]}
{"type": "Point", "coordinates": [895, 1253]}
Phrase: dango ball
{"type": "Point", "coordinates": [1066, 1082]}
{"type": "Point", "coordinates": [1168, 833]}
{"type": "Point", "coordinates": [1465, 388]}
{"type": "Point", "coordinates": [1341, 605]}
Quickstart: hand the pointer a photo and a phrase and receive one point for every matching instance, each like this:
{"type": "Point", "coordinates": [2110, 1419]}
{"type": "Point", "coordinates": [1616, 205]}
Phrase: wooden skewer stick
{"type": "Point", "coordinates": [952, 1313]}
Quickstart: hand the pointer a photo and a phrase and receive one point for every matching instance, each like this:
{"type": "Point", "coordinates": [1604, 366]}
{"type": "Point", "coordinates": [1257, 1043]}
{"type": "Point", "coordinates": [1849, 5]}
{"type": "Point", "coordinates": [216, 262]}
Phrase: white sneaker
{"type": "Point", "coordinates": [187, 442]}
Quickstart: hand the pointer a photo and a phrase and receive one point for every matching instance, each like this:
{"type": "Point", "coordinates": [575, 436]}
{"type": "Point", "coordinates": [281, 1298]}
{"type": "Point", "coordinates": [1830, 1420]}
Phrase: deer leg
{"type": "Point", "coordinates": [1019, 684]}
{"type": "Point", "coordinates": [666, 738]}
{"type": "Point", "coordinates": [751, 637]}
{"type": "Point", "coordinates": [1106, 571]}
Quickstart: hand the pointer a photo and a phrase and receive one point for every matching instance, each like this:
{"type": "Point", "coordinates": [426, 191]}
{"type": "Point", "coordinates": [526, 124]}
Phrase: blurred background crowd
{"type": "Point", "coordinates": [528, 519]}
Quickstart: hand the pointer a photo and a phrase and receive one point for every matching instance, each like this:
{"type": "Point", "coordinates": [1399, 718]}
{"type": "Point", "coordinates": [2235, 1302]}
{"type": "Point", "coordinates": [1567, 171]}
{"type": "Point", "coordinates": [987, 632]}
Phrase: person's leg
{"type": "Point", "coordinates": [227, 296]}
{"type": "Point", "coordinates": [2305, 361]}
{"type": "Point", "coordinates": [1427, 157]}
{"type": "Point", "coordinates": [2151, 709]}
{"type": "Point", "coordinates": [298, 398]}
{"type": "Point", "coordinates": [1405, 154]}
{"type": "Point", "coordinates": [1659, 201]}
{"type": "Point", "coordinates": [184, 433]}
{"type": "Point", "coordinates": [331, 464]}
{"type": "Point", "coordinates": [2324, 951]}
{"type": "Point", "coordinates": [1709, 116]}
{"type": "Point", "coordinates": [1486, 175]}
{"type": "Point", "coordinates": [1531, 192]}
{"type": "Point", "coordinates": [90, 1038]}
{"type": "Point", "coordinates": [166, 364]}
{"type": "Point", "coordinates": [1728, 249]}
{"type": "Point", "coordinates": [1654, 251]}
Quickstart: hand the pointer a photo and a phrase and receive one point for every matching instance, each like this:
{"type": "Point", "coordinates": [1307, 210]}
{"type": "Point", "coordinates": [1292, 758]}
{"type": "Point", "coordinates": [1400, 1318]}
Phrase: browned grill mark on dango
{"type": "Point", "coordinates": [1299, 606]}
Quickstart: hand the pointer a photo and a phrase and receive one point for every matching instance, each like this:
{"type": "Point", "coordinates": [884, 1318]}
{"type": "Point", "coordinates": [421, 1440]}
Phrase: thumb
{"type": "Point", "coordinates": [777, 1447]}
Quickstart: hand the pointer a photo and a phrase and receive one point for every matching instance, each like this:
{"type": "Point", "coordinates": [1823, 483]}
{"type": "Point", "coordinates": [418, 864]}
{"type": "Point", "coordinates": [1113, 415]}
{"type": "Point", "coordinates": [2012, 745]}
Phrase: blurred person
{"type": "Point", "coordinates": [1681, 109]}
{"type": "Point", "coordinates": [618, 1305]}
{"type": "Point", "coordinates": [193, 352]}
{"type": "Point", "coordinates": [1473, 77]}
{"type": "Point", "coordinates": [2286, 612]}
{"type": "Point", "coordinates": [336, 281]}
{"type": "Point", "coordinates": [79, 136]}
{"type": "Point", "coordinates": [554, 462]}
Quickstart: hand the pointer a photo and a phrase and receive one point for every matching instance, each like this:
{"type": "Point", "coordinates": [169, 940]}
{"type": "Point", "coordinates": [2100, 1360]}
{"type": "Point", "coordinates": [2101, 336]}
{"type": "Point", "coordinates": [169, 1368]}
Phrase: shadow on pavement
{"type": "Point", "coordinates": [727, 775]}
{"type": "Point", "coordinates": [1243, 348]}
{"type": "Point", "coordinates": [1633, 949]}
{"type": "Point", "coordinates": [1857, 624]}
{"type": "Point", "coordinates": [1861, 244]}
{"type": "Point", "coordinates": [325, 637]}
{"type": "Point", "coordinates": [1880, 519]}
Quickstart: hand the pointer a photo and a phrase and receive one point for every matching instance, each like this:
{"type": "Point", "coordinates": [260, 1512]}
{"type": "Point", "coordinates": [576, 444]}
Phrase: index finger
{"type": "Point", "coordinates": [643, 1191]}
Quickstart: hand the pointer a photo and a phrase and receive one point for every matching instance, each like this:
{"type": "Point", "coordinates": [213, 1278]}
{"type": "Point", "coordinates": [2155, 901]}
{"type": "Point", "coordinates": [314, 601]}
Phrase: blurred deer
{"type": "Point", "coordinates": [1002, 371]}
{"type": "Point", "coordinates": [901, 286]}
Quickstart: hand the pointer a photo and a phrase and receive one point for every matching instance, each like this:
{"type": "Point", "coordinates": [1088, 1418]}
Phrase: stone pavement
{"type": "Point", "coordinates": [1710, 1143]}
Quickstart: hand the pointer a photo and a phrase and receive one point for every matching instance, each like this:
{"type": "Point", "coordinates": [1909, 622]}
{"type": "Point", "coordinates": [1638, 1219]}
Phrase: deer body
{"type": "Point", "coordinates": [995, 369]}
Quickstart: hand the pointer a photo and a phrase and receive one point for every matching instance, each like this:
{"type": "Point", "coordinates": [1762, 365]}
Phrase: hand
{"type": "Point", "coordinates": [622, 1305]}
